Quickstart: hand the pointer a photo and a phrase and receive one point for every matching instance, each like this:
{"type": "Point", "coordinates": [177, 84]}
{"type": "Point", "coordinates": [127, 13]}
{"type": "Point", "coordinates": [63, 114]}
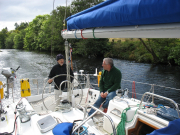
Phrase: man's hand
{"type": "Point", "coordinates": [50, 80]}
{"type": "Point", "coordinates": [105, 94]}
{"type": "Point", "coordinates": [102, 95]}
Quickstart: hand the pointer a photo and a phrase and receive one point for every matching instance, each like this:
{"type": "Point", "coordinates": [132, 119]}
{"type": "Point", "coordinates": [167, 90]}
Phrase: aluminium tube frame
{"type": "Point", "coordinates": [162, 97]}
{"type": "Point", "coordinates": [97, 110]}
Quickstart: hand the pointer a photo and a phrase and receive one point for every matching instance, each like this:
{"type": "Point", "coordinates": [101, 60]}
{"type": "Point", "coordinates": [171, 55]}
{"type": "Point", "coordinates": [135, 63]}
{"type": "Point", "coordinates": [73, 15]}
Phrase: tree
{"type": "Point", "coordinates": [161, 49]}
{"type": "Point", "coordinates": [57, 21]}
{"type": "Point", "coordinates": [9, 43]}
{"type": "Point", "coordinates": [89, 47]}
{"type": "Point", "coordinates": [22, 26]}
{"type": "Point", "coordinates": [16, 25]}
{"type": "Point", "coordinates": [3, 35]}
{"type": "Point", "coordinates": [150, 50]}
{"type": "Point", "coordinates": [31, 40]}
{"type": "Point", "coordinates": [80, 5]}
{"type": "Point", "coordinates": [174, 54]}
{"type": "Point", "coordinates": [19, 40]}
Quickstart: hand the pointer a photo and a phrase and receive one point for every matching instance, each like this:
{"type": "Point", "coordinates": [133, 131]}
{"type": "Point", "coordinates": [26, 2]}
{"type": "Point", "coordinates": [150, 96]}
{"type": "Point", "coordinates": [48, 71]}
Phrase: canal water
{"type": "Point", "coordinates": [38, 65]}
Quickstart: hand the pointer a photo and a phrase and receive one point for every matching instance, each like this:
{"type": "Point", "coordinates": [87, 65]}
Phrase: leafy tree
{"type": "Point", "coordinates": [19, 40]}
{"type": "Point", "coordinates": [31, 40]}
{"type": "Point", "coordinates": [150, 50]}
{"type": "Point", "coordinates": [80, 5]}
{"type": "Point", "coordinates": [89, 47]}
{"type": "Point", "coordinates": [9, 43]}
{"type": "Point", "coordinates": [163, 48]}
{"type": "Point", "coordinates": [3, 35]}
{"type": "Point", "coordinates": [44, 36]}
{"type": "Point", "coordinates": [22, 26]}
{"type": "Point", "coordinates": [57, 21]}
{"type": "Point", "coordinates": [16, 25]}
{"type": "Point", "coordinates": [174, 53]}
{"type": "Point", "coordinates": [49, 36]}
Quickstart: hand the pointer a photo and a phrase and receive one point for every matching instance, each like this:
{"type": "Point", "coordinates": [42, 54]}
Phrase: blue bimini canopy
{"type": "Point", "coordinates": [113, 13]}
{"type": "Point", "coordinates": [171, 129]}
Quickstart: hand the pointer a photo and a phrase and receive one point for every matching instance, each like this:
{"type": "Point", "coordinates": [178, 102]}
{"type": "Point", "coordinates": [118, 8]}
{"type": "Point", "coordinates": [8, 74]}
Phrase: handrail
{"type": "Point", "coordinates": [172, 101]}
{"type": "Point", "coordinates": [69, 91]}
{"type": "Point", "coordinates": [97, 110]}
{"type": "Point", "coordinates": [84, 110]}
{"type": "Point", "coordinates": [60, 86]}
{"type": "Point", "coordinates": [64, 82]}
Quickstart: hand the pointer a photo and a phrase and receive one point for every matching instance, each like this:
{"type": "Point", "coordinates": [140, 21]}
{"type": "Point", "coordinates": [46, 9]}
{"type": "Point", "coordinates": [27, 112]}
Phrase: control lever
{"type": "Point", "coordinates": [76, 95]}
{"type": "Point", "coordinates": [17, 68]}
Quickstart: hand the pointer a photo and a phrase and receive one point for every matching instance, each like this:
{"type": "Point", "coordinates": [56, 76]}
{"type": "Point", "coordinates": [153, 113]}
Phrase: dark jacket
{"type": "Point", "coordinates": [57, 70]}
{"type": "Point", "coordinates": [110, 80]}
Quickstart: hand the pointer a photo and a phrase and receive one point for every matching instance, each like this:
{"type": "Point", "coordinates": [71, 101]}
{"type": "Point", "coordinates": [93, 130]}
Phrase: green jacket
{"type": "Point", "coordinates": [110, 80]}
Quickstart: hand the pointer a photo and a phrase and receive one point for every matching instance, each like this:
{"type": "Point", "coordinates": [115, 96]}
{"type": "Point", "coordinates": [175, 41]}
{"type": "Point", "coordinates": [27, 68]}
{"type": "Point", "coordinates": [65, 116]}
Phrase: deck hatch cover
{"type": "Point", "coordinates": [47, 123]}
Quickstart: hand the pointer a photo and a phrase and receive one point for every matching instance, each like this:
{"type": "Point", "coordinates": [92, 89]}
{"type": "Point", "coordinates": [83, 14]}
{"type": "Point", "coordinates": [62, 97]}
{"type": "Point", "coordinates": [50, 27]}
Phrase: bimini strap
{"type": "Point", "coordinates": [94, 35]}
{"type": "Point", "coordinates": [82, 35]}
{"type": "Point", "coordinates": [75, 35]}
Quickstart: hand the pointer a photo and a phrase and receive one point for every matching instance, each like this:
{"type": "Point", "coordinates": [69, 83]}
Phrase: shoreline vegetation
{"type": "Point", "coordinates": [44, 34]}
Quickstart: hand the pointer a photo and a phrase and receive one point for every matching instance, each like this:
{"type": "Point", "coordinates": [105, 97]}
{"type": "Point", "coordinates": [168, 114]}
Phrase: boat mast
{"type": "Point", "coordinates": [67, 70]}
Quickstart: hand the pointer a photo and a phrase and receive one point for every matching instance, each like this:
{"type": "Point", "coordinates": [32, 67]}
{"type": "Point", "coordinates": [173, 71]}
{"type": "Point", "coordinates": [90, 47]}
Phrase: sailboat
{"type": "Point", "coordinates": [39, 114]}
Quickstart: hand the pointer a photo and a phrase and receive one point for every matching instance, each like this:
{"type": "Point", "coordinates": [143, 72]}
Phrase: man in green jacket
{"type": "Point", "coordinates": [110, 81]}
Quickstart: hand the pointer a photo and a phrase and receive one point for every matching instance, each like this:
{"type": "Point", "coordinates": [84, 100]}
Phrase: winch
{"type": "Point", "coordinates": [82, 131]}
{"type": "Point", "coordinates": [23, 114]}
{"type": "Point", "coordinates": [122, 93]}
{"type": "Point", "coordinates": [10, 75]}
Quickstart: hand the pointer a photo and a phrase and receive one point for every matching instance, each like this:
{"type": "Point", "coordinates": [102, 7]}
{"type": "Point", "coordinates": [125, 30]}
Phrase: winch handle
{"type": "Point", "coordinates": [17, 68]}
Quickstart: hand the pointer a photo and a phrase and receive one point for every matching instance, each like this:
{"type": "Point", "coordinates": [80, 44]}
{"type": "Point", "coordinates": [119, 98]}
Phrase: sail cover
{"type": "Point", "coordinates": [113, 13]}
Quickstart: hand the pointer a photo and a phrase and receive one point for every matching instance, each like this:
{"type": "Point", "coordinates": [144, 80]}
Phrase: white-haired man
{"type": "Point", "coordinates": [110, 81]}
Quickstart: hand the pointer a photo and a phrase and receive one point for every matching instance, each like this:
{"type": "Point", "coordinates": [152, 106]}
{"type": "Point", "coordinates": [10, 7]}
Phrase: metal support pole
{"type": "Point", "coordinates": [153, 93]}
{"type": "Point", "coordinates": [67, 69]}
{"type": "Point", "coordinates": [7, 82]}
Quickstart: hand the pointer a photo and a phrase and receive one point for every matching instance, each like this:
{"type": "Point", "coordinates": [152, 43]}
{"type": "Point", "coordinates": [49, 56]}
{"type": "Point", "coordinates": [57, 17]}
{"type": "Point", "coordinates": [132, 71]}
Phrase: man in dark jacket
{"type": "Point", "coordinates": [59, 69]}
{"type": "Point", "coordinates": [110, 81]}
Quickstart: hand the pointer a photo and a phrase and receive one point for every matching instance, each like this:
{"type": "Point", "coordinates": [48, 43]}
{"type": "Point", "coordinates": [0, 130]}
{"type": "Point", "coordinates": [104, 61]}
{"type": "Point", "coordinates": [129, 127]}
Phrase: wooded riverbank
{"type": "Point", "coordinates": [44, 34]}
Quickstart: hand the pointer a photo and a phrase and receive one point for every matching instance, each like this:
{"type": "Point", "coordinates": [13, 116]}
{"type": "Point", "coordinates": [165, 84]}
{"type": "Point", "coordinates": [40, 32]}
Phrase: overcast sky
{"type": "Point", "coordinates": [12, 11]}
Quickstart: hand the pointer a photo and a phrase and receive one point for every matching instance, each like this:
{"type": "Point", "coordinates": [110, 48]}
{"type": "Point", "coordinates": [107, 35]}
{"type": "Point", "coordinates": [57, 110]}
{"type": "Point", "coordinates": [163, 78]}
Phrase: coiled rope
{"type": "Point", "coordinates": [121, 126]}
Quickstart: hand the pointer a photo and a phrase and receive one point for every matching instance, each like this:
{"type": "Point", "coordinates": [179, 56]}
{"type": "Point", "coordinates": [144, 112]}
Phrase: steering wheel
{"type": "Point", "coordinates": [49, 99]}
